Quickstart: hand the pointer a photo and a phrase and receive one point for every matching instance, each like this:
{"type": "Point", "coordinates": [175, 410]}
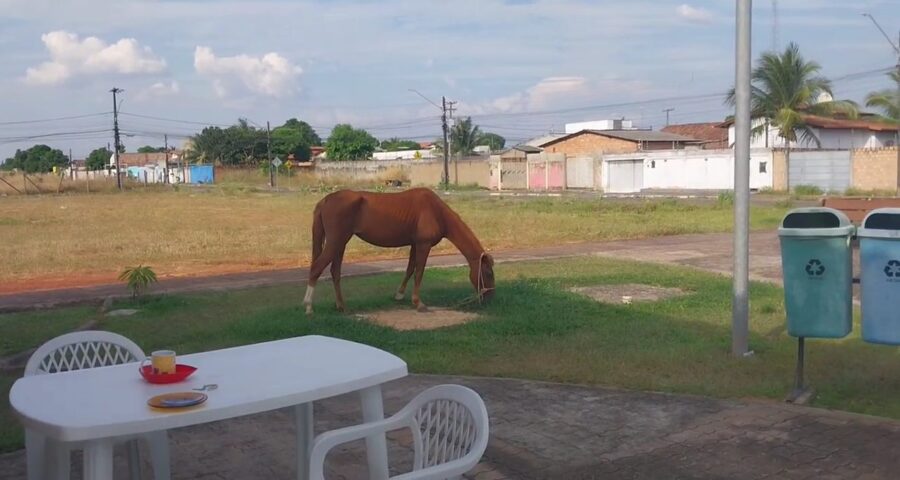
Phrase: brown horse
{"type": "Point", "coordinates": [417, 217]}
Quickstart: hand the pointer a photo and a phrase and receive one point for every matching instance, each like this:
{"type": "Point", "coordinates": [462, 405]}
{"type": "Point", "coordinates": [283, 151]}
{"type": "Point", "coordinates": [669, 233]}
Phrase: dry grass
{"type": "Point", "coordinates": [53, 238]}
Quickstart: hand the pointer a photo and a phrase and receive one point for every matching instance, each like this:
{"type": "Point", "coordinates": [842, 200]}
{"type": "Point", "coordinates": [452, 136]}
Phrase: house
{"type": "Point", "coordinates": [590, 142]}
{"type": "Point", "coordinates": [543, 139]}
{"type": "Point", "coordinates": [404, 155]}
{"type": "Point", "coordinates": [712, 135]}
{"type": "Point", "coordinates": [518, 152]}
{"type": "Point", "coordinates": [146, 159]}
{"type": "Point", "coordinates": [833, 134]}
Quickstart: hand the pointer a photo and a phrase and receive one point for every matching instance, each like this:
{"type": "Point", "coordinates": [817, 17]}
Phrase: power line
{"type": "Point", "coordinates": [190, 122]}
{"type": "Point", "coordinates": [56, 119]}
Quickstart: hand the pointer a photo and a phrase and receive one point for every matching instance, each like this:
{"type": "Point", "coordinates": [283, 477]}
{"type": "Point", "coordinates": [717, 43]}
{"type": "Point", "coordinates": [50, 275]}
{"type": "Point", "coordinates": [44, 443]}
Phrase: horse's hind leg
{"type": "Point", "coordinates": [336, 276]}
{"type": "Point", "coordinates": [315, 271]}
{"type": "Point", "coordinates": [422, 251]}
{"type": "Point", "coordinates": [410, 269]}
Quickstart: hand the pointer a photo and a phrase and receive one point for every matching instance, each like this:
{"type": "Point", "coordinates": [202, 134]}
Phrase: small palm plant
{"type": "Point", "coordinates": [137, 279]}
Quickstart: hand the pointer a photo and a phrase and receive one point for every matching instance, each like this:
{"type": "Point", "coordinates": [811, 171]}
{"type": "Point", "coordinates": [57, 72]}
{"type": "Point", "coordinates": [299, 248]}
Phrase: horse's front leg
{"type": "Point", "coordinates": [422, 251]}
{"type": "Point", "coordinates": [410, 270]}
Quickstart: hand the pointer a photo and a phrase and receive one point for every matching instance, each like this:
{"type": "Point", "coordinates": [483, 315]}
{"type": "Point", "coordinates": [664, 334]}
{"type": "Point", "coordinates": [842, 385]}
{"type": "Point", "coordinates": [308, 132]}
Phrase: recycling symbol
{"type": "Point", "coordinates": [815, 268]}
{"type": "Point", "coordinates": [892, 269]}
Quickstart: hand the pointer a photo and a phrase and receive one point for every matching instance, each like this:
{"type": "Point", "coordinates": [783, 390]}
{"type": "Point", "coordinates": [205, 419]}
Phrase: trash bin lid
{"type": "Point", "coordinates": [881, 223]}
{"type": "Point", "coordinates": [816, 222]}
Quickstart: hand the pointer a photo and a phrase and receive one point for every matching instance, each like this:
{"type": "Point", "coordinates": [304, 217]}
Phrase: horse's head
{"type": "Point", "coordinates": [482, 277]}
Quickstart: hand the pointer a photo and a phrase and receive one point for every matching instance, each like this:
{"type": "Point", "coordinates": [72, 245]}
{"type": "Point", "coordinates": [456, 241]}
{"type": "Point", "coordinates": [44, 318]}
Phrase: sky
{"type": "Point", "coordinates": [521, 68]}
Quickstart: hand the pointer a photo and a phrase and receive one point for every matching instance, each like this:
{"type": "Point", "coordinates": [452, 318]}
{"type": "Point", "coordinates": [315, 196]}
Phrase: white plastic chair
{"type": "Point", "coordinates": [76, 351]}
{"type": "Point", "coordinates": [449, 426]}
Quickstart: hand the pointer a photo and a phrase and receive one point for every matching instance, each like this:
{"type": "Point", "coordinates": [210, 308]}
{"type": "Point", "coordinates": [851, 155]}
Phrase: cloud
{"type": "Point", "coordinates": [158, 90]}
{"type": "Point", "coordinates": [71, 56]}
{"type": "Point", "coordinates": [694, 14]}
{"type": "Point", "coordinates": [270, 75]}
{"type": "Point", "coordinates": [546, 93]}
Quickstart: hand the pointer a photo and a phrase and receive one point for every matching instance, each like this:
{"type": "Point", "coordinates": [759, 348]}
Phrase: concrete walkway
{"type": "Point", "coordinates": [711, 252]}
{"type": "Point", "coordinates": [551, 431]}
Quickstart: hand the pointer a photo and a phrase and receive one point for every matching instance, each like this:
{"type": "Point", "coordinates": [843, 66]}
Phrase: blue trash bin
{"type": "Point", "coordinates": [879, 255]}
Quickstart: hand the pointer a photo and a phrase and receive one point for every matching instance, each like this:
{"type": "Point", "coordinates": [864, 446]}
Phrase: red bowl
{"type": "Point", "coordinates": [181, 372]}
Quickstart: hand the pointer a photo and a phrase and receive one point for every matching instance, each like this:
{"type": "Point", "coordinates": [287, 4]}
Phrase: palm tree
{"type": "Point", "coordinates": [464, 137]}
{"type": "Point", "coordinates": [887, 100]}
{"type": "Point", "coordinates": [785, 89]}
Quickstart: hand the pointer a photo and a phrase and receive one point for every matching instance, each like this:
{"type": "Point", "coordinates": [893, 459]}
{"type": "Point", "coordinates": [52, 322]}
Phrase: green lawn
{"type": "Point", "coordinates": [535, 328]}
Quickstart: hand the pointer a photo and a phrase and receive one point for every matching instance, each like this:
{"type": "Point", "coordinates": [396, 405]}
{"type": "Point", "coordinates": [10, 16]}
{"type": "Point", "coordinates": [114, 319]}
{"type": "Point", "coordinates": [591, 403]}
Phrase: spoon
{"type": "Point", "coordinates": [207, 387]}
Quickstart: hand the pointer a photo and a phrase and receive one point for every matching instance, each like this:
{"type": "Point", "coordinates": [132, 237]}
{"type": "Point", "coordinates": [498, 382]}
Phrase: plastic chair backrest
{"type": "Point", "coordinates": [80, 350]}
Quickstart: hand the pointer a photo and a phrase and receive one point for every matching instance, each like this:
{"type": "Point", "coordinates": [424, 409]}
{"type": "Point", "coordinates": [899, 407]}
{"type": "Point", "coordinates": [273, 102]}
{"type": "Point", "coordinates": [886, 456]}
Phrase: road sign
{"type": "Point", "coordinates": [277, 162]}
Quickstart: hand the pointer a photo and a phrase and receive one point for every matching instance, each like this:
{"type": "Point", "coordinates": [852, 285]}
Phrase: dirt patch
{"type": "Point", "coordinates": [628, 293]}
{"type": "Point", "coordinates": [410, 319]}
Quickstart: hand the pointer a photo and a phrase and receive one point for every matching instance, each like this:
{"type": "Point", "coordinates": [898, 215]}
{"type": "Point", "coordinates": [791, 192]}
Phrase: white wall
{"type": "Point", "coordinates": [840, 139]}
{"type": "Point", "coordinates": [698, 169]}
{"type": "Point", "coordinates": [403, 155]}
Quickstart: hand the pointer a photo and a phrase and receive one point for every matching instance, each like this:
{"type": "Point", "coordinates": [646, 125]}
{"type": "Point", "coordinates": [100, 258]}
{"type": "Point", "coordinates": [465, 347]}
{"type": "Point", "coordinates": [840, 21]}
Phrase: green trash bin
{"type": "Point", "coordinates": [818, 272]}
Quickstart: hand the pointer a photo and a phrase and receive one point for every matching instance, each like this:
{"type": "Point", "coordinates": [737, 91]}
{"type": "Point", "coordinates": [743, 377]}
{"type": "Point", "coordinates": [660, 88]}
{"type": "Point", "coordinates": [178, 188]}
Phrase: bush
{"type": "Point", "coordinates": [137, 279]}
{"type": "Point", "coordinates": [807, 190]}
{"type": "Point", "coordinates": [726, 198]}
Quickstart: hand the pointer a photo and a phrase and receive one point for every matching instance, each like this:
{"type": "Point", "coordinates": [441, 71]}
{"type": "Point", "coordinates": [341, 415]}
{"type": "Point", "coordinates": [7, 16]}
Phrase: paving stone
{"type": "Point", "coordinates": [551, 431]}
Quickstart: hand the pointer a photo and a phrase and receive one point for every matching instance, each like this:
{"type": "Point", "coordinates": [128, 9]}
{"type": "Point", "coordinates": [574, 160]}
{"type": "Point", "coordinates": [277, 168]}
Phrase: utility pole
{"type": "Point", "coordinates": [269, 156]}
{"type": "Point", "coordinates": [667, 110]}
{"type": "Point", "coordinates": [896, 48]}
{"type": "Point", "coordinates": [740, 305]}
{"type": "Point", "coordinates": [446, 178]}
{"type": "Point", "coordinates": [450, 109]}
{"type": "Point", "coordinates": [114, 91]}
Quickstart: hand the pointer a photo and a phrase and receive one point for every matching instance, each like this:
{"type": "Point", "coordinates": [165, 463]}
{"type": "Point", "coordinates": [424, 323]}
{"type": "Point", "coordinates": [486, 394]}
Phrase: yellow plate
{"type": "Point", "coordinates": [177, 400]}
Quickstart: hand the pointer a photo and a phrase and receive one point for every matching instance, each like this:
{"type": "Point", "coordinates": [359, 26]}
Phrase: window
{"type": "Point", "coordinates": [762, 167]}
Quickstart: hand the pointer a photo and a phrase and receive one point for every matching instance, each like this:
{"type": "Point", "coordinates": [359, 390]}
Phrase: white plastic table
{"type": "Point", "coordinates": [97, 405]}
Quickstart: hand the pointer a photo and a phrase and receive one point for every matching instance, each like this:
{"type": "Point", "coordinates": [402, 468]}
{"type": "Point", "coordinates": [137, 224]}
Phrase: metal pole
{"type": "Point", "coordinates": [269, 156]}
{"type": "Point", "coordinates": [801, 357]}
{"type": "Point", "coordinates": [740, 307]}
{"type": "Point", "coordinates": [446, 178]}
{"type": "Point", "coordinates": [166, 164]}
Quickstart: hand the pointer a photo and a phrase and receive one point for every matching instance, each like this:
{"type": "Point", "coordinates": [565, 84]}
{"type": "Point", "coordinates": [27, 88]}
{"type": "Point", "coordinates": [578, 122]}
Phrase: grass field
{"type": "Point", "coordinates": [55, 240]}
{"type": "Point", "coordinates": [535, 328]}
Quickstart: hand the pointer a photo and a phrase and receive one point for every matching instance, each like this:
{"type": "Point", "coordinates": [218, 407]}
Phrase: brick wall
{"type": "Point", "coordinates": [590, 143]}
{"type": "Point", "coordinates": [462, 172]}
{"type": "Point", "coordinates": [875, 169]}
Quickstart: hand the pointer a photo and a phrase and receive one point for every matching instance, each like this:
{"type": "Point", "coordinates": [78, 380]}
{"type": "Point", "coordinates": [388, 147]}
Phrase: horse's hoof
{"type": "Point", "coordinates": [421, 308]}
{"type": "Point", "coordinates": [340, 308]}
{"type": "Point", "coordinates": [399, 296]}
{"type": "Point", "coordinates": [309, 310]}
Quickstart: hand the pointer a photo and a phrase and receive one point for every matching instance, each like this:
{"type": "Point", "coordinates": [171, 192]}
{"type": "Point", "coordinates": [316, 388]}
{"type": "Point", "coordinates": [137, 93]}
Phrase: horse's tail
{"type": "Point", "coordinates": [318, 233]}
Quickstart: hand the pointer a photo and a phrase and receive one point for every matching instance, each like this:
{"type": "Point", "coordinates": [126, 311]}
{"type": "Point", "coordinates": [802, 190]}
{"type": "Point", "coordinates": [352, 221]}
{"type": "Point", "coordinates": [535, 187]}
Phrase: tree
{"type": "Point", "coordinates": [293, 137]}
{"type": "Point", "coordinates": [307, 134]}
{"type": "Point", "coordinates": [98, 159]}
{"type": "Point", "coordinates": [785, 89]}
{"type": "Point", "coordinates": [348, 143]}
{"type": "Point", "coordinates": [37, 159]}
{"type": "Point", "coordinates": [464, 137]}
{"type": "Point", "coordinates": [496, 142]}
{"type": "Point", "coordinates": [239, 144]}
{"type": "Point", "coordinates": [887, 99]}
{"type": "Point", "coordinates": [395, 144]}
{"type": "Point", "coordinates": [149, 149]}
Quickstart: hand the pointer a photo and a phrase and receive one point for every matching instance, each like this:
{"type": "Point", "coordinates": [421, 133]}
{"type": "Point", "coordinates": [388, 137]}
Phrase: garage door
{"type": "Point", "coordinates": [625, 176]}
{"type": "Point", "coordinates": [580, 172]}
{"type": "Point", "coordinates": [828, 170]}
